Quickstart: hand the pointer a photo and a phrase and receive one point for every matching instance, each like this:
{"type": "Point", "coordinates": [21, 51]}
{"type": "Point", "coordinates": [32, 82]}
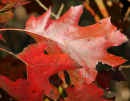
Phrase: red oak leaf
{"type": "Point", "coordinates": [86, 45]}
{"type": "Point", "coordinates": [85, 92]}
{"type": "Point", "coordinates": [81, 91]}
{"type": "Point", "coordinates": [22, 90]}
{"type": "Point", "coordinates": [12, 78]}
{"type": "Point", "coordinates": [41, 66]}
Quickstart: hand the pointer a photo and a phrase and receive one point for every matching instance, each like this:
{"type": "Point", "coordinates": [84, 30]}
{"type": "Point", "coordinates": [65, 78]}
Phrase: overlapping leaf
{"type": "Point", "coordinates": [86, 45]}
{"type": "Point", "coordinates": [85, 93]}
{"type": "Point", "coordinates": [40, 66]}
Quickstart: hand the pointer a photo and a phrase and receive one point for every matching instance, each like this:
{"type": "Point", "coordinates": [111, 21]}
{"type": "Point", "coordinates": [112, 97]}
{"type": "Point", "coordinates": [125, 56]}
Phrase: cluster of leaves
{"type": "Point", "coordinates": [72, 51]}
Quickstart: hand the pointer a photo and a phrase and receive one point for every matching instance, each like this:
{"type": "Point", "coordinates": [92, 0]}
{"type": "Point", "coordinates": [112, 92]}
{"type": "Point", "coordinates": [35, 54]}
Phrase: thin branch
{"type": "Point", "coordinates": [127, 14]}
{"type": "Point", "coordinates": [42, 5]}
{"type": "Point", "coordinates": [102, 8]}
{"type": "Point", "coordinates": [124, 66]}
{"type": "Point", "coordinates": [45, 8]}
{"type": "Point", "coordinates": [60, 10]}
{"type": "Point", "coordinates": [87, 6]}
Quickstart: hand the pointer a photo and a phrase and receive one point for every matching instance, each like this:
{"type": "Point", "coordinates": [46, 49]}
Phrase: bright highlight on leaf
{"type": "Point", "coordinates": [86, 45]}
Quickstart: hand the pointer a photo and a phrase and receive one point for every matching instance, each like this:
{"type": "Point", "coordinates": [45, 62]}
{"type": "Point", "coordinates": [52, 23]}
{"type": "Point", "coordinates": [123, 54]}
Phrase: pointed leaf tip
{"type": "Point", "coordinates": [72, 16]}
{"type": "Point", "coordinates": [37, 25]}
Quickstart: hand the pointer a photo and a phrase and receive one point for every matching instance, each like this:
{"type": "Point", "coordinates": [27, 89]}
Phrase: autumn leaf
{"type": "Point", "coordinates": [85, 92]}
{"type": "Point", "coordinates": [86, 45]}
{"type": "Point", "coordinates": [13, 78]}
{"type": "Point", "coordinates": [21, 89]}
{"type": "Point", "coordinates": [40, 64]}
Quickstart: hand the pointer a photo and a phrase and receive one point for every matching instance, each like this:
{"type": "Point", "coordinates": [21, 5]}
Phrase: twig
{"type": "Point", "coordinates": [42, 5]}
{"type": "Point", "coordinates": [45, 8]}
{"type": "Point", "coordinates": [87, 6]}
{"type": "Point", "coordinates": [60, 10]}
{"type": "Point", "coordinates": [102, 8]}
{"type": "Point", "coordinates": [127, 14]}
{"type": "Point", "coordinates": [124, 66]}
